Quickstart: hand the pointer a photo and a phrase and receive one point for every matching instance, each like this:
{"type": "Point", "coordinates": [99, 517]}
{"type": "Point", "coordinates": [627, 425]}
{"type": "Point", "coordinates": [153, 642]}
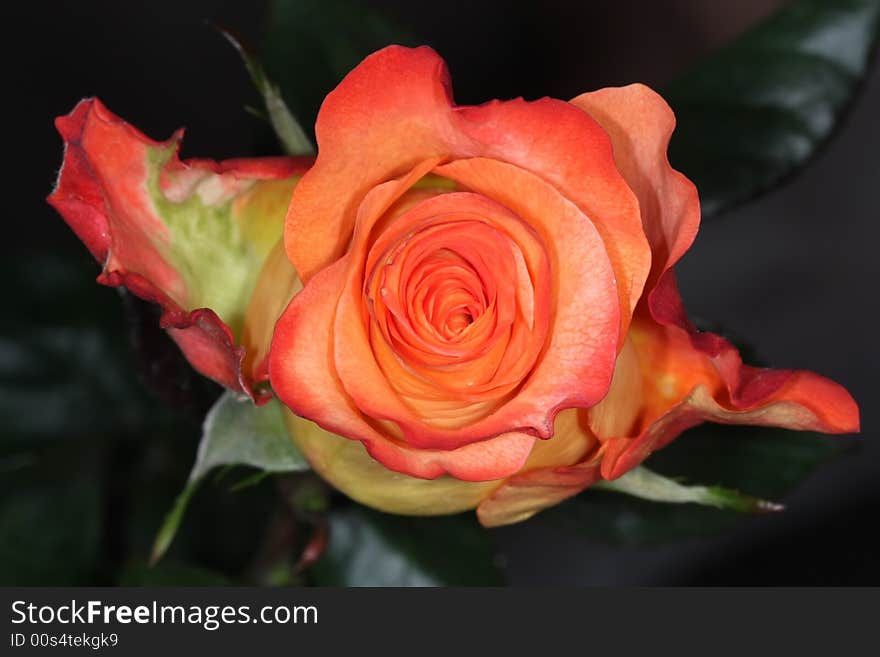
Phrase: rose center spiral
{"type": "Point", "coordinates": [450, 296]}
{"type": "Point", "coordinates": [443, 294]}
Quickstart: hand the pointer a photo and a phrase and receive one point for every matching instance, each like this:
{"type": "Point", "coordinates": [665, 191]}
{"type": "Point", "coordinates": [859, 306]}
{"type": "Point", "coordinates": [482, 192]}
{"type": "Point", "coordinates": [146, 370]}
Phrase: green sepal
{"type": "Point", "coordinates": [293, 138]}
{"type": "Point", "coordinates": [649, 485]}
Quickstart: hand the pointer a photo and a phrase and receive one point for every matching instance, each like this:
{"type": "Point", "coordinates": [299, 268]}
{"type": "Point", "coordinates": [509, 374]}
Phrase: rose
{"type": "Point", "coordinates": [489, 315]}
{"type": "Point", "coordinates": [192, 236]}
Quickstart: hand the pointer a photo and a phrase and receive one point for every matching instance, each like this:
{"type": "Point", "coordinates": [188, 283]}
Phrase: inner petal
{"type": "Point", "coordinates": [440, 289]}
{"type": "Point", "coordinates": [454, 293]}
{"type": "Point", "coordinates": [446, 295]}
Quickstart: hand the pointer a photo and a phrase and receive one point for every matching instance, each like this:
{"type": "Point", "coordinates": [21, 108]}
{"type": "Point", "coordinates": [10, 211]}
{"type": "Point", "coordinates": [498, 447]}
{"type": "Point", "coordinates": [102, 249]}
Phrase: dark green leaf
{"type": "Point", "coordinates": [368, 548]}
{"type": "Point", "coordinates": [765, 462]}
{"type": "Point", "coordinates": [762, 462]}
{"type": "Point", "coordinates": [312, 44]}
{"type": "Point", "coordinates": [622, 520]}
{"type": "Point", "coordinates": [757, 110]}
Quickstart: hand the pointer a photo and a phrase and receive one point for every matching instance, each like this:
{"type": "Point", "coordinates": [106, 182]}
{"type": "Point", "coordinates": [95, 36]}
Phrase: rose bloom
{"type": "Point", "coordinates": [476, 306]}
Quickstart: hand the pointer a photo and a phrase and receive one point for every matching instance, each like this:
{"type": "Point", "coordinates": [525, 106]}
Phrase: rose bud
{"type": "Point", "coordinates": [192, 236]}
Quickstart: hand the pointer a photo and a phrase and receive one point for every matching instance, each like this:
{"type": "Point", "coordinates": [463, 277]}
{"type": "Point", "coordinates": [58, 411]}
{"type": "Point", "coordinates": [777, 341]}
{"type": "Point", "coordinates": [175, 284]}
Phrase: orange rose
{"type": "Point", "coordinates": [489, 316]}
{"type": "Point", "coordinates": [484, 312]}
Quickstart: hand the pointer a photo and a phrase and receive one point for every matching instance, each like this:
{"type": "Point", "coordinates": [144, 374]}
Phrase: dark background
{"type": "Point", "coordinates": [794, 272]}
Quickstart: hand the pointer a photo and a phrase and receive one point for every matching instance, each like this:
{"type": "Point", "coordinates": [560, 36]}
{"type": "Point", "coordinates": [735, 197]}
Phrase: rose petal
{"type": "Point", "coordinates": [640, 124]}
{"type": "Point", "coordinates": [669, 379]}
{"type": "Point", "coordinates": [543, 481]}
{"type": "Point", "coordinates": [569, 462]}
{"type": "Point", "coordinates": [547, 138]}
{"type": "Point", "coordinates": [691, 377]}
{"type": "Point", "coordinates": [577, 365]}
{"type": "Point", "coordinates": [348, 466]}
{"type": "Point", "coordinates": [276, 285]}
{"type": "Point", "coordinates": [395, 110]}
{"type": "Point", "coordinates": [189, 235]}
{"type": "Point", "coordinates": [388, 114]}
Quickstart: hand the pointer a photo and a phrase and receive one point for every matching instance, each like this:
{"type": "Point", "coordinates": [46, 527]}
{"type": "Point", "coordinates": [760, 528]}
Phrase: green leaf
{"type": "Point", "coordinates": [291, 135]}
{"type": "Point", "coordinates": [757, 110]}
{"type": "Point", "coordinates": [648, 485]}
{"type": "Point", "coordinates": [312, 44]}
{"type": "Point", "coordinates": [235, 432]}
{"type": "Point", "coordinates": [764, 462]}
{"type": "Point", "coordinates": [368, 548]}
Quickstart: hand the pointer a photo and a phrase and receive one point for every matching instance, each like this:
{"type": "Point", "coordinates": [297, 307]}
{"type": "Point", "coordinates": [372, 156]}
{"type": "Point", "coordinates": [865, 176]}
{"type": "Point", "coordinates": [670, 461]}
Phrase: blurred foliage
{"type": "Point", "coordinates": [50, 529]}
{"type": "Point", "coordinates": [754, 112]}
{"type": "Point", "coordinates": [368, 548]}
{"type": "Point", "coordinates": [91, 455]}
{"type": "Point", "coordinates": [52, 342]}
{"type": "Point", "coordinates": [169, 573]}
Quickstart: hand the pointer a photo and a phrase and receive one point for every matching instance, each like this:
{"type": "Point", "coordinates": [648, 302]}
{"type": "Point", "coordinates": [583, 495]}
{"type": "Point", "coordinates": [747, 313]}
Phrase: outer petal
{"type": "Point", "coordinates": [640, 124]}
{"type": "Point", "coordinates": [556, 470]}
{"type": "Point", "coordinates": [569, 462]}
{"type": "Point", "coordinates": [277, 284]}
{"type": "Point", "coordinates": [189, 235]}
{"type": "Point", "coordinates": [691, 377]}
{"type": "Point", "coordinates": [347, 465]}
{"type": "Point", "coordinates": [395, 109]}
